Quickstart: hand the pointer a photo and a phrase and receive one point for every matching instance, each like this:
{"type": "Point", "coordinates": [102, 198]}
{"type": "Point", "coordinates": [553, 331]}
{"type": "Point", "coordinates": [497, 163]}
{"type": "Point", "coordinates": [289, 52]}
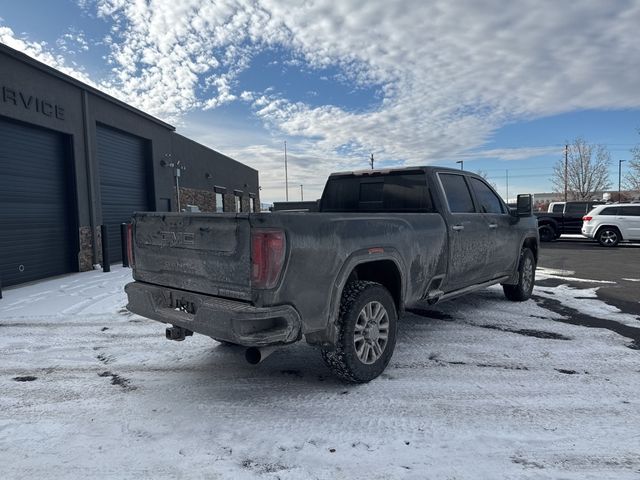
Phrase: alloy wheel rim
{"type": "Point", "coordinates": [371, 333]}
{"type": "Point", "coordinates": [609, 237]}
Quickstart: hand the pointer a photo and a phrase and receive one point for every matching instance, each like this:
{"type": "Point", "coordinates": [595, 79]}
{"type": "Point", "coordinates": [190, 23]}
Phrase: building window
{"type": "Point", "coordinates": [238, 203]}
{"type": "Point", "coordinates": [253, 205]}
{"type": "Point", "coordinates": [219, 203]}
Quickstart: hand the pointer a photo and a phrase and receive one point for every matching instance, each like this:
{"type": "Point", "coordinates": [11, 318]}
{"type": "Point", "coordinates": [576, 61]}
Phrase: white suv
{"type": "Point", "coordinates": [610, 224]}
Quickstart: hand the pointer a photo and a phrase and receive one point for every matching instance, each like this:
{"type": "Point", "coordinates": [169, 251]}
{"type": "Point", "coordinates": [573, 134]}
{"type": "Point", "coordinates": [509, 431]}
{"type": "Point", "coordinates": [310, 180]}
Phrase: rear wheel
{"type": "Point", "coordinates": [366, 326]}
{"type": "Point", "coordinates": [547, 233]}
{"type": "Point", "coordinates": [608, 236]}
{"type": "Point", "coordinates": [521, 291]}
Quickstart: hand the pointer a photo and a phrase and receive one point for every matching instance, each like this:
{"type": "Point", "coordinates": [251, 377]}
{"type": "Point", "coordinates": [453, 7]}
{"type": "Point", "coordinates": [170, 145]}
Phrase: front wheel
{"type": "Point", "coordinates": [366, 324]}
{"type": "Point", "coordinates": [521, 291]}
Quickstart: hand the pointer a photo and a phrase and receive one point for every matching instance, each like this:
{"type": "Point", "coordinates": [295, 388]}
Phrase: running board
{"type": "Point", "coordinates": [472, 288]}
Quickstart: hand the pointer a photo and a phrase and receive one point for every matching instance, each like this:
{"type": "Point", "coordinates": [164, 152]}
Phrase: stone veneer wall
{"type": "Point", "coordinates": [85, 255]}
{"type": "Point", "coordinates": [204, 199]}
{"type": "Point", "coordinates": [246, 204]}
{"type": "Point", "coordinates": [229, 202]}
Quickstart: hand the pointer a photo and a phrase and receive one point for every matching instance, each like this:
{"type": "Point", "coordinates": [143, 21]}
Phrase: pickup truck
{"type": "Point", "coordinates": [383, 241]}
{"type": "Point", "coordinates": [563, 217]}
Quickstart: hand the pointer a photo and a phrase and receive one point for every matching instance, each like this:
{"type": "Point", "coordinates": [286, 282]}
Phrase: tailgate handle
{"type": "Point", "coordinates": [458, 227]}
{"type": "Point", "coordinates": [493, 225]}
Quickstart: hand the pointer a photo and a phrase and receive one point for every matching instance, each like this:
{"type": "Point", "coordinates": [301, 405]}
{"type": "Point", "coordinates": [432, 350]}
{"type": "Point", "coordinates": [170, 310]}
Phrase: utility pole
{"type": "Point", "coordinates": [566, 169]}
{"type": "Point", "coordinates": [620, 162]}
{"type": "Point", "coordinates": [461, 162]}
{"type": "Point", "coordinates": [507, 185]}
{"type": "Point", "coordinates": [286, 174]}
{"type": "Point", "coordinates": [371, 161]}
{"type": "Point", "coordinates": [301, 193]}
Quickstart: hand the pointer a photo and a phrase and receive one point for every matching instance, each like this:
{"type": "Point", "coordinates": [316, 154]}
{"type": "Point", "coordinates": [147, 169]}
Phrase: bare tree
{"type": "Point", "coordinates": [632, 178]}
{"type": "Point", "coordinates": [587, 170]}
{"type": "Point", "coordinates": [485, 175]}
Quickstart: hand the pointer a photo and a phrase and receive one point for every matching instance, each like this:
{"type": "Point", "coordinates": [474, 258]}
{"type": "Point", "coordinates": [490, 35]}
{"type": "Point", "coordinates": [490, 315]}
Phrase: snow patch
{"type": "Point", "coordinates": [479, 387]}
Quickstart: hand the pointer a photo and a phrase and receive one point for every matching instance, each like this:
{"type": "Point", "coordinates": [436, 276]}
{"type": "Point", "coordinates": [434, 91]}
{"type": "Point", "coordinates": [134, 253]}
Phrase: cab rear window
{"type": "Point", "coordinates": [393, 192]}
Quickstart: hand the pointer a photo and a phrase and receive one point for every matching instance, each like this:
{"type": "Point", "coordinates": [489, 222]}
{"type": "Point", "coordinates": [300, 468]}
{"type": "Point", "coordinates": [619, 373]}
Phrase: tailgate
{"type": "Point", "coordinates": [206, 253]}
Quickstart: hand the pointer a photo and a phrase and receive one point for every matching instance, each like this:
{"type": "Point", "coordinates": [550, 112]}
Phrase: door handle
{"type": "Point", "coordinates": [458, 227]}
{"type": "Point", "coordinates": [493, 225]}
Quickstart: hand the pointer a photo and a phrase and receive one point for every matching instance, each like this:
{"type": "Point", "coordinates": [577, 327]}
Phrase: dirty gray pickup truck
{"type": "Point", "coordinates": [382, 241]}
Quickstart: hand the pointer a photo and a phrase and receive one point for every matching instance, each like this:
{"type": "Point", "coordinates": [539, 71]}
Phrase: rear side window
{"type": "Point", "coordinates": [488, 200]}
{"type": "Point", "coordinates": [457, 193]}
{"type": "Point", "coordinates": [558, 208]}
{"type": "Point", "coordinates": [629, 211]}
{"type": "Point", "coordinates": [393, 192]}
{"type": "Point", "coordinates": [576, 208]}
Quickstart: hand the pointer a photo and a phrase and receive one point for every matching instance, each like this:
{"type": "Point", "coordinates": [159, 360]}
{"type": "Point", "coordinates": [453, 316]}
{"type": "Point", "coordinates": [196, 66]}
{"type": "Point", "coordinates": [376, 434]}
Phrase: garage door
{"type": "Point", "coordinates": [123, 161]}
{"type": "Point", "coordinates": [37, 207]}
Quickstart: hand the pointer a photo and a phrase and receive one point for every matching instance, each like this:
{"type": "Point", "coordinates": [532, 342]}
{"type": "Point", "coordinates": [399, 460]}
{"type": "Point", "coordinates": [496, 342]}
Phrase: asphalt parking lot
{"type": "Point", "coordinates": [588, 260]}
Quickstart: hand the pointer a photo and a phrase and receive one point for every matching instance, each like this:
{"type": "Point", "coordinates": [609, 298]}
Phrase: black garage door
{"type": "Point", "coordinates": [37, 207]}
{"type": "Point", "coordinates": [124, 184]}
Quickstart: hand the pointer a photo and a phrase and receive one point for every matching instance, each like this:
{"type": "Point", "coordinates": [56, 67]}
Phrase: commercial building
{"type": "Point", "coordinates": [73, 158]}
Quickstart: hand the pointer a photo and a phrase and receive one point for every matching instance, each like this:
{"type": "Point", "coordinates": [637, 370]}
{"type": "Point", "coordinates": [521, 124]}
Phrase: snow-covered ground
{"type": "Point", "coordinates": [480, 388]}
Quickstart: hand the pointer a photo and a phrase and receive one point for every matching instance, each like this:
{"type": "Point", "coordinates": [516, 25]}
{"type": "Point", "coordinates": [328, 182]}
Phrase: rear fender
{"type": "Point", "coordinates": [328, 337]}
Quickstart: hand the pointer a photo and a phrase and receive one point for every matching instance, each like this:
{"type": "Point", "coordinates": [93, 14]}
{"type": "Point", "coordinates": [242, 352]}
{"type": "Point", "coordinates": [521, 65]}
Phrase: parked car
{"type": "Point", "coordinates": [562, 218]}
{"type": "Point", "coordinates": [556, 207]}
{"type": "Point", "coordinates": [612, 224]}
{"type": "Point", "coordinates": [381, 242]}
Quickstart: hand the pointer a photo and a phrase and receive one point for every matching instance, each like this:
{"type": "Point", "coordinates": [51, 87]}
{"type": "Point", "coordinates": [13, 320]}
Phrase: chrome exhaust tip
{"type": "Point", "coordinates": [255, 355]}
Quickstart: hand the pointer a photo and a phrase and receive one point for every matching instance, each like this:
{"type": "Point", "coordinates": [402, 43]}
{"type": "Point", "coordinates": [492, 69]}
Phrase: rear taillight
{"type": "Point", "coordinates": [130, 245]}
{"type": "Point", "coordinates": [587, 218]}
{"type": "Point", "coordinates": [267, 257]}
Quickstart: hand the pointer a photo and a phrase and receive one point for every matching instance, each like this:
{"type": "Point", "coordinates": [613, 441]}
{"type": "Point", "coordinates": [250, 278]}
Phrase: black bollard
{"type": "Point", "coordinates": [124, 240]}
{"type": "Point", "coordinates": [106, 266]}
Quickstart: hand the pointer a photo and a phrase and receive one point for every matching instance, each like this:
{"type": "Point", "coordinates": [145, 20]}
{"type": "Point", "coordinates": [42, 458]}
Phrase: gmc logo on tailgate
{"type": "Point", "coordinates": [176, 239]}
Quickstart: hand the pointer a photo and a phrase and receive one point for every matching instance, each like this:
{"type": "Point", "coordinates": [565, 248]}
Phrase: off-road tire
{"type": "Point", "coordinates": [343, 361]}
{"type": "Point", "coordinates": [521, 291]}
{"type": "Point", "coordinates": [547, 233]}
{"type": "Point", "coordinates": [608, 236]}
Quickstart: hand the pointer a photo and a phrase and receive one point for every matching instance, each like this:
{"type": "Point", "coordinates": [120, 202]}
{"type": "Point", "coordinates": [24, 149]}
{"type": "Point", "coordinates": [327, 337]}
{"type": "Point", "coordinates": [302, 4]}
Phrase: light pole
{"type": "Point", "coordinates": [286, 175]}
{"type": "Point", "coordinates": [301, 193]}
{"type": "Point", "coordinates": [620, 162]}
{"type": "Point", "coordinates": [461, 162]}
{"type": "Point", "coordinates": [507, 185]}
{"type": "Point", "coordinates": [566, 168]}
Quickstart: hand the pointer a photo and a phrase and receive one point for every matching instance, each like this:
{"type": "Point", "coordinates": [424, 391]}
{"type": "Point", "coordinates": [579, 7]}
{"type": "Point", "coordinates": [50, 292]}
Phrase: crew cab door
{"type": "Point", "coordinates": [573, 213]}
{"type": "Point", "coordinates": [467, 231]}
{"type": "Point", "coordinates": [503, 245]}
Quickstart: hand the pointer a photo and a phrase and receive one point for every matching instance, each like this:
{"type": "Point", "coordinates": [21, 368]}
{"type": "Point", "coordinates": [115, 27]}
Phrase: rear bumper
{"type": "Point", "coordinates": [219, 318]}
{"type": "Point", "coordinates": [588, 231]}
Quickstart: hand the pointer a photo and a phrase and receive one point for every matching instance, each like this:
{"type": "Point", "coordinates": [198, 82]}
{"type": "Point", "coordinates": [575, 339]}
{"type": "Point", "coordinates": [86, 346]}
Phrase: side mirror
{"type": "Point", "coordinates": [524, 207]}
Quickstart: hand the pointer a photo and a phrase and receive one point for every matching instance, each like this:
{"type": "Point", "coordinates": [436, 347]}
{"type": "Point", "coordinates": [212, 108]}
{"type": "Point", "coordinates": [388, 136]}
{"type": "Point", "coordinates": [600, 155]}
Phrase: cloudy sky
{"type": "Point", "coordinates": [499, 85]}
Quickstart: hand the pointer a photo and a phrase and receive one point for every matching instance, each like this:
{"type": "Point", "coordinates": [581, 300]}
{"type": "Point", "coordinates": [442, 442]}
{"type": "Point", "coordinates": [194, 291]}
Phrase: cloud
{"type": "Point", "coordinates": [450, 73]}
{"type": "Point", "coordinates": [73, 42]}
{"type": "Point", "coordinates": [39, 51]}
